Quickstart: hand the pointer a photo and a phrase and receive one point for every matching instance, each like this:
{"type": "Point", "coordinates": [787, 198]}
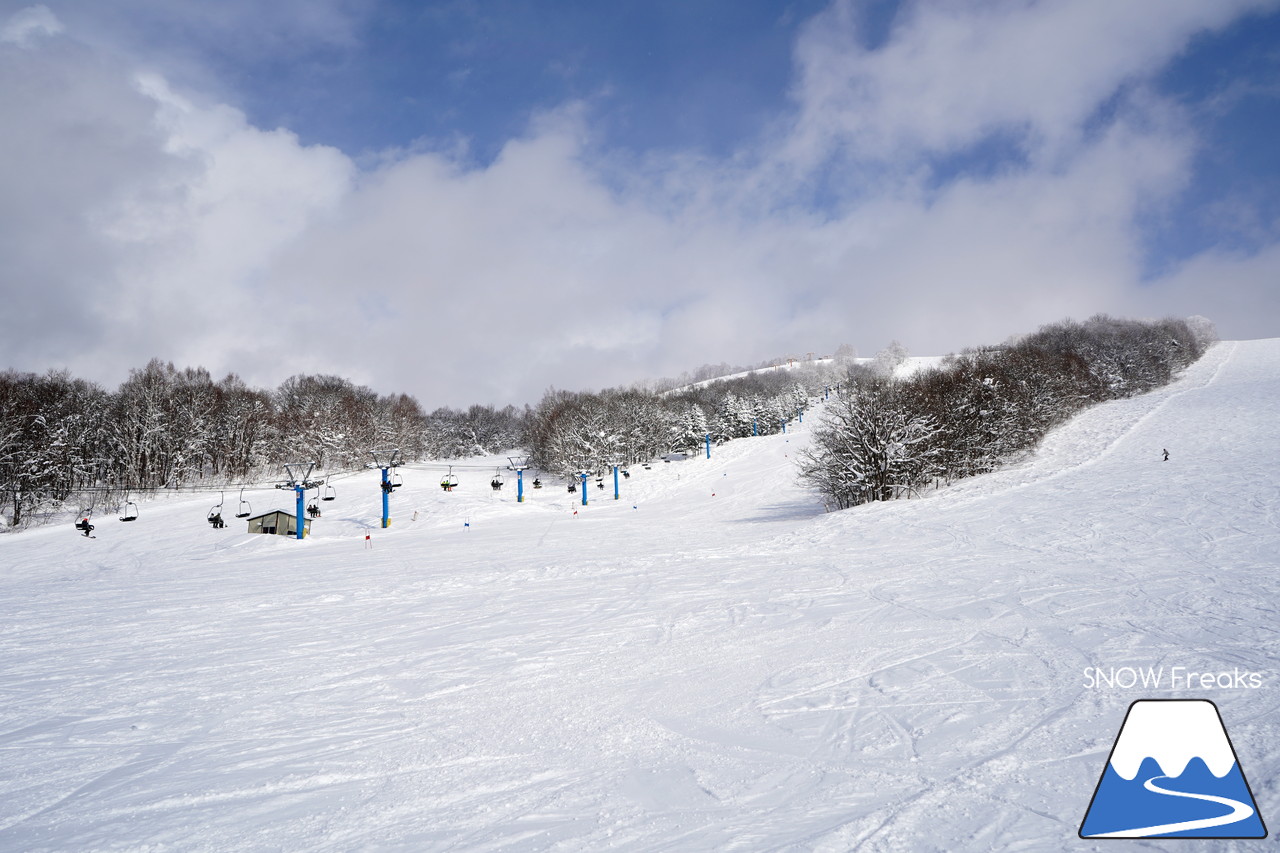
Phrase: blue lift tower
{"type": "Point", "coordinates": [386, 460]}
{"type": "Point", "coordinates": [519, 464]}
{"type": "Point", "coordinates": [300, 484]}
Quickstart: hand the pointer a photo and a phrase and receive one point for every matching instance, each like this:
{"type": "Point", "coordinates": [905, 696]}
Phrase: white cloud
{"type": "Point", "coordinates": [78, 137]}
{"type": "Point", "coordinates": [953, 73]}
{"type": "Point", "coordinates": [138, 221]}
{"type": "Point", "coordinates": [1239, 291]}
{"type": "Point", "coordinates": [198, 250]}
{"type": "Point", "coordinates": [27, 24]}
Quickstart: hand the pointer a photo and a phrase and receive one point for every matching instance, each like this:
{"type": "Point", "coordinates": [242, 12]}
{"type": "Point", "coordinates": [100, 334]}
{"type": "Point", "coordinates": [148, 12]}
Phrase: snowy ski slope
{"type": "Point", "coordinates": [911, 365]}
{"type": "Point", "coordinates": [709, 663]}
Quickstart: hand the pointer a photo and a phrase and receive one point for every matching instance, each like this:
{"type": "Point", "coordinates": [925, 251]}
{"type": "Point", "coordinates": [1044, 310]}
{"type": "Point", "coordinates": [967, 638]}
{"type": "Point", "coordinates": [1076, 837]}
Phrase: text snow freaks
{"type": "Point", "coordinates": [1171, 678]}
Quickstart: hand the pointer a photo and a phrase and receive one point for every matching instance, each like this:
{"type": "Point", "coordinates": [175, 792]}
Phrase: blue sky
{"type": "Point", "coordinates": [657, 75]}
{"type": "Point", "coordinates": [511, 195]}
{"type": "Point", "coordinates": [1231, 83]}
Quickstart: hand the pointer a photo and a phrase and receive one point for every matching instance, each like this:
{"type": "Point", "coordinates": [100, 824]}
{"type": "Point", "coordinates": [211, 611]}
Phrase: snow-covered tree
{"type": "Point", "coordinates": [734, 418]}
{"type": "Point", "coordinates": [1203, 331]}
{"type": "Point", "coordinates": [244, 431]}
{"type": "Point", "coordinates": [690, 429]}
{"type": "Point", "coordinates": [52, 440]}
{"type": "Point", "coordinates": [327, 420]}
{"type": "Point", "coordinates": [141, 425]}
{"type": "Point", "coordinates": [889, 359]}
{"type": "Point", "coordinates": [868, 446]}
{"type": "Point", "coordinates": [478, 431]}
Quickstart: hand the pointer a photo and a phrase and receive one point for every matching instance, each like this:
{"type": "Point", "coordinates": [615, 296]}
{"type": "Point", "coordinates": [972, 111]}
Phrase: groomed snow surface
{"type": "Point", "coordinates": [710, 663]}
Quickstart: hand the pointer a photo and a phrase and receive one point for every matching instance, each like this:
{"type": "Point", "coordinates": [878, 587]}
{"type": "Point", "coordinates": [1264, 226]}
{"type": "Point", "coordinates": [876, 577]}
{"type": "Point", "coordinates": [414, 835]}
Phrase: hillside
{"type": "Point", "coordinates": [709, 663]}
{"type": "Point", "coordinates": [909, 366]}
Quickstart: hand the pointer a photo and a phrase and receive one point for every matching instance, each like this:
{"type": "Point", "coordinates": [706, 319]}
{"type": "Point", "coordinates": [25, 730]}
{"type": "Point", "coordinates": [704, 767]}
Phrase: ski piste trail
{"type": "Point", "coordinates": [711, 662]}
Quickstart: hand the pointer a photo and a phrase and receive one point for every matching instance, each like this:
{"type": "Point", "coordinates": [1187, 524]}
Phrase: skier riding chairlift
{"type": "Point", "coordinates": [215, 513]}
{"type": "Point", "coordinates": [84, 525]}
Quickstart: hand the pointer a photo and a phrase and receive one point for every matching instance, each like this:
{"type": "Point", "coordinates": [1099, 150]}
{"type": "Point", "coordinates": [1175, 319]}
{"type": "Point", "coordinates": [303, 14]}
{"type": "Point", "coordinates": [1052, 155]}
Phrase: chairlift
{"type": "Point", "coordinates": [497, 481]}
{"type": "Point", "coordinates": [396, 480]}
{"type": "Point", "coordinates": [330, 494]}
{"type": "Point", "coordinates": [448, 481]}
{"type": "Point", "coordinates": [313, 510]}
{"type": "Point", "coordinates": [214, 516]}
{"type": "Point", "coordinates": [130, 511]}
{"type": "Point", "coordinates": [245, 508]}
{"type": "Point", "coordinates": [573, 487]}
{"type": "Point", "coordinates": [537, 483]}
{"type": "Point", "coordinates": [83, 524]}
{"type": "Point", "coordinates": [626, 473]}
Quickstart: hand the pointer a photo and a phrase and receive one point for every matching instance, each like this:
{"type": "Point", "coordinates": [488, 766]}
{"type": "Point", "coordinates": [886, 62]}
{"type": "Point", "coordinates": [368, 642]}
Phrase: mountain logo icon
{"type": "Point", "coordinates": [1172, 773]}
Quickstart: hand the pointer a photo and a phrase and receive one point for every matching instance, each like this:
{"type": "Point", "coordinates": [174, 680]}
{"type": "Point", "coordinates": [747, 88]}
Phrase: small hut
{"type": "Point", "coordinates": [279, 523]}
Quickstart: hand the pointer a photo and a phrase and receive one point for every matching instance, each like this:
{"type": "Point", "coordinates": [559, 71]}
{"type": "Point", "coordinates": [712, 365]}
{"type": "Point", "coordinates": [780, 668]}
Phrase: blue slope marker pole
{"type": "Point", "coordinates": [615, 482]}
{"type": "Point", "coordinates": [300, 493]}
{"type": "Point", "coordinates": [755, 427]}
{"type": "Point", "coordinates": [584, 488]}
{"type": "Point", "coordinates": [708, 445]}
{"type": "Point", "coordinates": [784, 427]}
{"type": "Point", "coordinates": [519, 485]}
{"type": "Point", "coordinates": [386, 498]}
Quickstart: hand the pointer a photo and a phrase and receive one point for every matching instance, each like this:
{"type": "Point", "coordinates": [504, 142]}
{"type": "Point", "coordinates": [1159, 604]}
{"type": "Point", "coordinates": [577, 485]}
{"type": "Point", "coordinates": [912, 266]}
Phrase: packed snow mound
{"type": "Point", "coordinates": [708, 662]}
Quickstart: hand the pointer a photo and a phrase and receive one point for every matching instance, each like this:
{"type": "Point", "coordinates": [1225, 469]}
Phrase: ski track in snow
{"type": "Point", "coordinates": [709, 663]}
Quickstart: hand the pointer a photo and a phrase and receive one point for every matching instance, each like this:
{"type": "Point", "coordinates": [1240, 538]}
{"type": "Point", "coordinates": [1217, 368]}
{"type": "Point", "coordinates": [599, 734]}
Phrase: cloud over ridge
{"type": "Point", "coordinates": [988, 167]}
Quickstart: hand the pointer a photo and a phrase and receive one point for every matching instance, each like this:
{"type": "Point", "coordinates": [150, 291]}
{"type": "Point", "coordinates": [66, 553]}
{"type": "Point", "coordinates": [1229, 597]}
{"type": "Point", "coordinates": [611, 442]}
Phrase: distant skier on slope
{"type": "Point", "coordinates": [1166, 456]}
